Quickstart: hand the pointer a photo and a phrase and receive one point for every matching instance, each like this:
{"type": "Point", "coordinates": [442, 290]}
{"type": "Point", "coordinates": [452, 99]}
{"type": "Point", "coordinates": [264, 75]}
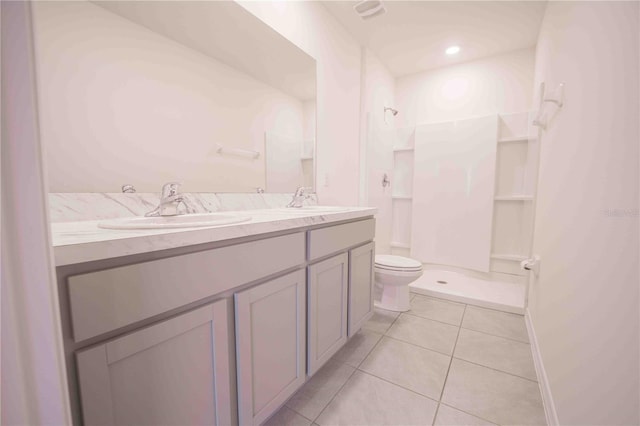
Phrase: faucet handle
{"type": "Point", "coordinates": [170, 189]}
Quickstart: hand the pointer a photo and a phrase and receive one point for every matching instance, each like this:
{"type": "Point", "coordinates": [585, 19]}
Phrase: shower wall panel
{"type": "Point", "coordinates": [453, 191]}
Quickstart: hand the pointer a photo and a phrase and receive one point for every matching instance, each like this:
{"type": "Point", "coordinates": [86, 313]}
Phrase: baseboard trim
{"type": "Point", "coordinates": [543, 381]}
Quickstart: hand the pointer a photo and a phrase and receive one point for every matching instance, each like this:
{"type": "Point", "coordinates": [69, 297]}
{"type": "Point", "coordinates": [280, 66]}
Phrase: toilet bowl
{"type": "Point", "coordinates": [394, 274]}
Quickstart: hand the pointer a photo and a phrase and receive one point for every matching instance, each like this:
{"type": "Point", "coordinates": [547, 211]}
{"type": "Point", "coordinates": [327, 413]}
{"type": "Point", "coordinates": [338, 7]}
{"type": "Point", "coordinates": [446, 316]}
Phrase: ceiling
{"type": "Point", "coordinates": [413, 35]}
{"type": "Point", "coordinates": [227, 32]}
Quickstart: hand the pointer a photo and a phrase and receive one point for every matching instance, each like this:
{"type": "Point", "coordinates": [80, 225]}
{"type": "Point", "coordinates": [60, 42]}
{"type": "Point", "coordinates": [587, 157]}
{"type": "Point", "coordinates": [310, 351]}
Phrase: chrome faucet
{"type": "Point", "coordinates": [298, 198]}
{"type": "Point", "coordinates": [169, 201]}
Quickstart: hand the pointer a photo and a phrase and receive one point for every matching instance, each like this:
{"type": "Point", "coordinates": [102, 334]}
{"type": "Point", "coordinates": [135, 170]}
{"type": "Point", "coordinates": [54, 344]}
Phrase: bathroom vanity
{"type": "Point", "coordinates": [216, 325]}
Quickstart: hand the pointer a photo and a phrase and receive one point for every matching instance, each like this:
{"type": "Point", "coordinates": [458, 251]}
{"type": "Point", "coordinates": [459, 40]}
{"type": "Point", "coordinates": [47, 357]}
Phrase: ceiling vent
{"type": "Point", "coordinates": [367, 9]}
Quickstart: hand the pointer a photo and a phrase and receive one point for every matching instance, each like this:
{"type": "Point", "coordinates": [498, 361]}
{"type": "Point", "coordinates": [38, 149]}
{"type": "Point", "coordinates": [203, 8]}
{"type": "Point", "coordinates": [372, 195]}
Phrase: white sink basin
{"type": "Point", "coordinates": [180, 221]}
{"type": "Point", "coordinates": [312, 209]}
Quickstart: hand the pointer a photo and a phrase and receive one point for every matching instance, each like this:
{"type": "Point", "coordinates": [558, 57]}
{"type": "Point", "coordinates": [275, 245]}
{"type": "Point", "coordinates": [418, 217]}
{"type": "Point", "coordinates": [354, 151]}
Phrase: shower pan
{"type": "Point", "coordinates": [489, 274]}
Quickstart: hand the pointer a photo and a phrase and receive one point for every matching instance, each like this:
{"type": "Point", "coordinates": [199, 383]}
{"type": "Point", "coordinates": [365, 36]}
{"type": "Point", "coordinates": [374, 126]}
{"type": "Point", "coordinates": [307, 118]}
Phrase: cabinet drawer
{"type": "Point", "coordinates": [332, 239]}
{"type": "Point", "coordinates": [106, 300]}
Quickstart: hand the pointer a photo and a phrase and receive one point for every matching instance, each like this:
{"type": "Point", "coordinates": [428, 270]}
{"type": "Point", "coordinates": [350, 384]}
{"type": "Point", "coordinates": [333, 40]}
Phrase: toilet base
{"type": "Point", "coordinates": [395, 298]}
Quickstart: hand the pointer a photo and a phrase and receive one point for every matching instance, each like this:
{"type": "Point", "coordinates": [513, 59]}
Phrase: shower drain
{"type": "Point", "coordinates": [441, 282]}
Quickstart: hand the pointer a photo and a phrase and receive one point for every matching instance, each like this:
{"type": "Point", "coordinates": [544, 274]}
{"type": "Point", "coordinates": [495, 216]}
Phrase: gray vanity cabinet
{"type": "Point", "coordinates": [152, 345]}
{"type": "Point", "coordinates": [174, 372]}
{"type": "Point", "coordinates": [270, 345]}
{"type": "Point", "coordinates": [328, 290]}
{"type": "Point", "coordinates": [361, 262]}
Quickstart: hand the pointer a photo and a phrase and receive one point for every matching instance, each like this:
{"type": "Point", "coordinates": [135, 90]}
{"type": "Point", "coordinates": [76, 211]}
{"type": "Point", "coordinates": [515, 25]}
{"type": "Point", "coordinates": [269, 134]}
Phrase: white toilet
{"type": "Point", "coordinates": [394, 274]}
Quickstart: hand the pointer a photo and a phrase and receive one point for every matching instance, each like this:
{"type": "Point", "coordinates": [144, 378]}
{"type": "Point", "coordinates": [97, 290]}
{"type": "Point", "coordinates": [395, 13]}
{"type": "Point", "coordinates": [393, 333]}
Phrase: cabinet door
{"type": "Point", "coordinates": [361, 261]}
{"type": "Point", "coordinates": [173, 373]}
{"type": "Point", "coordinates": [327, 302]}
{"type": "Point", "coordinates": [270, 345]}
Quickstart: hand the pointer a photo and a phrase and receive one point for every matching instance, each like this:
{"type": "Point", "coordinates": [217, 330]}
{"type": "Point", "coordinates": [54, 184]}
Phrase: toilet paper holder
{"type": "Point", "coordinates": [531, 264]}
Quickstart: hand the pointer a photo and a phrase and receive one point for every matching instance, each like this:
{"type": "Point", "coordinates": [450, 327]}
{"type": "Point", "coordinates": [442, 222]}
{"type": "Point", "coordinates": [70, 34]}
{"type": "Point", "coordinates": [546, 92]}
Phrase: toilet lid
{"type": "Point", "coordinates": [387, 261]}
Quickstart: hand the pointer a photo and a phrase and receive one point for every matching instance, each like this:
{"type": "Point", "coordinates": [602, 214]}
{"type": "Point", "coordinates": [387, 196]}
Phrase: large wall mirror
{"type": "Point", "coordinates": [147, 92]}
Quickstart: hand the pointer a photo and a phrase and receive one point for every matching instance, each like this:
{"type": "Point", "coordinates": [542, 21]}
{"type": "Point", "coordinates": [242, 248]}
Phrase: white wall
{"type": "Point", "coordinates": [498, 84]}
{"type": "Point", "coordinates": [310, 26]}
{"type": "Point", "coordinates": [584, 306]}
{"type": "Point", "coordinates": [122, 104]}
{"type": "Point", "coordinates": [378, 138]}
{"type": "Point", "coordinates": [33, 379]}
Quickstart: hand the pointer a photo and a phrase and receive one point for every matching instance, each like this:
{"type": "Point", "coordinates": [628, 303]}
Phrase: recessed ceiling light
{"type": "Point", "coordinates": [369, 8]}
{"type": "Point", "coordinates": [452, 50]}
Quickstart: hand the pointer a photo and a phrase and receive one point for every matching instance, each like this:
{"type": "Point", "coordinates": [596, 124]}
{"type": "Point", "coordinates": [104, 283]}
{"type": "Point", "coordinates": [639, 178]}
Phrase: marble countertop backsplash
{"type": "Point", "coordinates": [75, 207]}
{"type": "Point", "coordinates": [77, 238]}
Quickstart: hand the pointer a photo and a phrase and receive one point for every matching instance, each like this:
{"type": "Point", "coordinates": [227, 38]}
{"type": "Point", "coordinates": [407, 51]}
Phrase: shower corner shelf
{"type": "Point", "coordinates": [513, 198]}
{"type": "Point", "coordinates": [515, 139]}
{"type": "Point", "coordinates": [401, 197]}
{"type": "Point", "coordinates": [403, 149]}
{"type": "Point", "coordinates": [511, 257]}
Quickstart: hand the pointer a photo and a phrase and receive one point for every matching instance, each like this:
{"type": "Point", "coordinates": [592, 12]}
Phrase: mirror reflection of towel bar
{"type": "Point", "coordinates": [237, 151]}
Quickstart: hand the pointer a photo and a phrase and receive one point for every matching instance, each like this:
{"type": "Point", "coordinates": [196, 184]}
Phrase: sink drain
{"type": "Point", "coordinates": [441, 282]}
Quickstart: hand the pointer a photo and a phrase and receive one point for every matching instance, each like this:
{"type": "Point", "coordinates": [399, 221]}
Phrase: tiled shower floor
{"type": "Point", "coordinates": [441, 363]}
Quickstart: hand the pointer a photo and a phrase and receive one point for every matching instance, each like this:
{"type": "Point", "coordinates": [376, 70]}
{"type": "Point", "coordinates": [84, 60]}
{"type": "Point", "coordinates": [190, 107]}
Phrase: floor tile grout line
{"type": "Point", "coordinates": [496, 310]}
{"type": "Point", "coordinates": [431, 319]}
{"type": "Point", "coordinates": [451, 356]}
{"type": "Point", "coordinates": [471, 305]}
{"type": "Point", "coordinates": [495, 335]}
{"type": "Point", "coordinates": [314, 420]}
{"type": "Point", "coordinates": [358, 369]}
{"type": "Point", "coordinates": [435, 415]}
{"type": "Point", "coordinates": [396, 384]}
{"type": "Point", "coordinates": [289, 408]}
{"type": "Point", "coordinates": [495, 369]}
{"type": "Point", "coordinates": [303, 416]}
{"type": "Point", "coordinates": [453, 351]}
{"type": "Point", "coordinates": [335, 394]}
{"type": "Point", "coordinates": [392, 323]}
{"type": "Point", "coordinates": [460, 325]}
{"type": "Point", "coordinates": [466, 412]}
{"type": "Point", "coordinates": [354, 370]}
{"type": "Point", "coordinates": [418, 346]}
{"type": "Point", "coordinates": [450, 302]}
{"type": "Point", "coordinates": [368, 353]}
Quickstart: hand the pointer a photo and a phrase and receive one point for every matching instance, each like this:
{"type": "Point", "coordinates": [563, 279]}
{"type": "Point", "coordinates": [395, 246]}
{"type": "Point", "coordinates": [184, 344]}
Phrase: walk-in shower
{"type": "Point", "coordinates": [462, 204]}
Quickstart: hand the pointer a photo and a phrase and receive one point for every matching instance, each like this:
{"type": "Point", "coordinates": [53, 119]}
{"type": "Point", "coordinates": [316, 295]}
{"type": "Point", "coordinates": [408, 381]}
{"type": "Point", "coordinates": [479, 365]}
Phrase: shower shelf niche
{"type": "Point", "coordinates": [402, 190]}
{"type": "Point", "coordinates": [511, 257]}
{"type": "Point", "coordinates": [513, 198]}
{"type": "Point", "coordinates": [516, 171]}
{"type": "Point", "coordinates": [515, 139]}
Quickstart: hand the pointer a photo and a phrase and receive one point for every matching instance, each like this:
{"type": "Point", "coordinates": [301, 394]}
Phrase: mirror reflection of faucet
{"type": "Point", "coordinates": [299, 197]}
{"type": "Point", "coordinates": [128, 189]}
{"type": "Point", "coordinates": [170, 199]}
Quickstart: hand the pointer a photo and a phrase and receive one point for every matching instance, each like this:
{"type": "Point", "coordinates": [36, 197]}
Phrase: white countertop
{"type": "Point", "coordinates": [78, 242]}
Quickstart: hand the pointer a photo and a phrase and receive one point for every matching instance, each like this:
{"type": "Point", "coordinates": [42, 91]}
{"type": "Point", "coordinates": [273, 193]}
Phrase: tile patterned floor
{"type": "Point", "coordinates": [442, 363]}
